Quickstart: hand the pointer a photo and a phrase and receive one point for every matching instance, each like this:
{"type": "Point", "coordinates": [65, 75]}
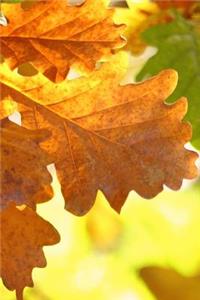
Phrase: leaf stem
{"type": "Point", "coordinates": [19, 294]}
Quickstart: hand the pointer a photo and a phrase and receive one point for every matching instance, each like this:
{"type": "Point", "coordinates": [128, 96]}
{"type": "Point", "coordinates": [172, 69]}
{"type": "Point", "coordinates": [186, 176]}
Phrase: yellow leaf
{"type": "Point", "coordinates": [7, 108]}
{"type": "Point", "coordinates": [139, 16]}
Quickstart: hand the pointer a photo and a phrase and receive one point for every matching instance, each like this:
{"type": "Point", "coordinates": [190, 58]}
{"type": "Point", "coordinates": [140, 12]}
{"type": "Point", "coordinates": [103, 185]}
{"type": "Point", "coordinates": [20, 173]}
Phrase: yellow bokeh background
{"type": "Point", "coordinates": [100, 254]}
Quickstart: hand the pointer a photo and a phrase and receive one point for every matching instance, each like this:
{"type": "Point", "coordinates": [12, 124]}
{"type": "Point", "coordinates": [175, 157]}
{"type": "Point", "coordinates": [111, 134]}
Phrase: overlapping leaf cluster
{"type": "Point", "coordinates": [99, 134]}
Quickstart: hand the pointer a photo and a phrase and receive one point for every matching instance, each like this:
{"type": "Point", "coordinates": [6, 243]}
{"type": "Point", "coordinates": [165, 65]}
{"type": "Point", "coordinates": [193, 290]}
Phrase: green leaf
{"type": "Point", "coordinates": [11, 1]}
{"type": "Point", "coordinates": [178, 44]}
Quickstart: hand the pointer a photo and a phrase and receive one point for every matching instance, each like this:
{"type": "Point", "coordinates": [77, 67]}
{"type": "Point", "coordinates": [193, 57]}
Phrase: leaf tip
{"type": "Point", "coordinates": [172, 76]}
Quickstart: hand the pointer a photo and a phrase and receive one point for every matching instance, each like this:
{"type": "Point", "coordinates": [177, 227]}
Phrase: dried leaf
{"type": "Point", "coordinates": [23, 234]}
{"type": "Point", "coordinates": [52, 35]}
{"type": "Point", "coordinates": [24, 177]}
{"type": "Point", "coordinates": [167, 284]}
{"type": "Point", "coordinates": [108, 137]}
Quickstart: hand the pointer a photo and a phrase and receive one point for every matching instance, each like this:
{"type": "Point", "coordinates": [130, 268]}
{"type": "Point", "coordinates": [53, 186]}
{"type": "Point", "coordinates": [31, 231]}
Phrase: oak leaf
{"type": "Point", "coordinates": [23, 234]}
{"type": "Point", "coordinates": [167, 284]}
{"type": "Point", "coordinates": [105, 136]}
{"type": "Point", "coordinates": [24, 177]}
{"type": "Point", "coordinates": [52, 35]}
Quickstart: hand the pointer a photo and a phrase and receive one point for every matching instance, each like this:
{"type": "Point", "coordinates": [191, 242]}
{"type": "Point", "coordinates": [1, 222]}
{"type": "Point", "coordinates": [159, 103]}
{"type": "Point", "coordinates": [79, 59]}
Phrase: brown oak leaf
{"type": "Point", "coordinates": [23, 234]}
{"type": "Point", "coordinates": [24, 177]}
{"type": "Point", "coordinates": [184, 4]}
{"type": "Point", "coordinates": [167, 284]}
{"type": "Point", "coordinates": [106, 136]}
{"type": "Point", "coordinates": [53, 35]}
{"type": "Point", "coordinates": [188, 8]}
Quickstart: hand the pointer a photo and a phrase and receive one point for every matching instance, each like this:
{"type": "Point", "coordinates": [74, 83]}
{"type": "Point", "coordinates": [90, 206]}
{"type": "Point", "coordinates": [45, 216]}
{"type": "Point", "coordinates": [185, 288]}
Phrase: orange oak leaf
{"type": "Point", "coordinates": [23, 234]}
{"type": "Point", "coordinates": [106, 136]}
{"type": "Point", "coordinates": [52, 35]}
{"type": "Point", "coordinates": [24, 177]}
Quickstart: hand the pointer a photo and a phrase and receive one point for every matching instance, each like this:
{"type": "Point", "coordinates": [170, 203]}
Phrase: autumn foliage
{"type": "Point", "coordinates": [184, 4]}
{"type": "Point", "coordinates": [100, 135]}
